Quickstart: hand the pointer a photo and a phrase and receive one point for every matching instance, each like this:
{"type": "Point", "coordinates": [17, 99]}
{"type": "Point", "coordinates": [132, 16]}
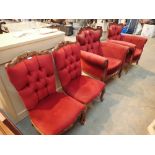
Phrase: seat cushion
{"type": "Point", "coordinates": [55, 113]}
{"type": "Point", "coordinates": [84, 89]}
{"type": "Point", "coordinates": [137, 54]}
{"type": "Point", "coordinates": [113, 65]}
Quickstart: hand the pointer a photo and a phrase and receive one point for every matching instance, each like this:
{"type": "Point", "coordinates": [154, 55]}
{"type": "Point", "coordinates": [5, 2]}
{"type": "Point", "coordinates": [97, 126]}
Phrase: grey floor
{"type": "Point", "coordinates": [128, 106]}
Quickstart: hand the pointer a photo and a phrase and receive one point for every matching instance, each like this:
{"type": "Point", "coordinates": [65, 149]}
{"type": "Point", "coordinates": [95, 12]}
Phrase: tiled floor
{"type": "Point", "coordinates": [128, 106]}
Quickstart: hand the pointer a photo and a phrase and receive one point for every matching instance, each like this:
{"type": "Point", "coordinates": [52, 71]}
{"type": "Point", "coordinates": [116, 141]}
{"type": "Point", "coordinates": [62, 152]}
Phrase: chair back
{"type": "Point", "coordinates": [32, 75]}
{"type": "Point", "coordinates": [114, 31]}
{"type": "Point", "coordinates": [89, 39]}
{"type": "Point", "coordinates": [67, 61]}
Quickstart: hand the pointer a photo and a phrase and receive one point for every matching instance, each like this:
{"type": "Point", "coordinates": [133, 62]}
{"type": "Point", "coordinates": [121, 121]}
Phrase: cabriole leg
{"type": "Point", "coordinates": [102, 93]}
{"type": "Point", "coordinates": [119, 74]}
{"type": "Point", "coordinates": [83, 117]}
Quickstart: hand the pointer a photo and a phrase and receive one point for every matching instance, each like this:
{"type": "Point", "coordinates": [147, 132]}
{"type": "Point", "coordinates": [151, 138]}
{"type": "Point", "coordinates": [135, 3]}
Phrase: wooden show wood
{"type": "Point", "coordinates": [90, 28]}
{"type": "Point", "coordinates": [25, 56]}
{"type": "Point", "coordinates": [62, 44]}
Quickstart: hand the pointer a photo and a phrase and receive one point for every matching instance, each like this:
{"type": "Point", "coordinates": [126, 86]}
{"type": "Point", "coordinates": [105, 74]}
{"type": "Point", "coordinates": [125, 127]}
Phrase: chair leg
{"type": "Point", "coordinates": [104, 77]}
{"type": "Point", "coordinates": [119, 74]}
{"type": "Point", "coordinates": [83, 117]}
{"type": "Point", "coordinates": [126, 69]}
{"type": "Point", "coordinates": [137, 62]}
{"type": "Point", "coordinates": [101, 96]}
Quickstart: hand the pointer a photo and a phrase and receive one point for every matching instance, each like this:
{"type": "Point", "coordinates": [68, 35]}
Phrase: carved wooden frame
{"type": "Point", "coordinates": [113, 23]}
{"type": "Point", "coordinates": [62, 44]}
{"type": "Point", "coordinates": [90, 28]}
{"type": "Point", "coordinates": [24, 56]}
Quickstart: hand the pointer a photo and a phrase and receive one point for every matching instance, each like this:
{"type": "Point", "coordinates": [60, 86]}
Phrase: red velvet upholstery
{"type": "Point", "coordinates": [34, 79]}
{"type": "Point", "coordinates": [114, 33]}
{"type": "Point", "coordinates": [89, 40]}
{"type": "Point", "coordinates": [84, 89]}
{"type": "Point", "coordinates": [80, 87]}
{"type": "Point", "coordinates": [94, 70]}
{"type": "Point", "coordinates": [95, 59]}
{"type": "Point", "coordinates": [92, 63]}
{"type": "Point", "coordinates": [137, 53]}
{"type": "Point", "coordinates": [113, 65]}
{"type": "Point", "coordinates": [116, 59]}
{"type": "Point", "coordinates": [68, 65]}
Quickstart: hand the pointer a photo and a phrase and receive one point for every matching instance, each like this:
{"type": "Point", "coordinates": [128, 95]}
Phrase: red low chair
{"type": "Point", "coordinates": [100, 59]}
{"type": "Point", "coordinates": [80, 87]}
{"type": "Point", "coordinates": [134, 42]}
{"type": "Point", "coordinates": [51, 112]}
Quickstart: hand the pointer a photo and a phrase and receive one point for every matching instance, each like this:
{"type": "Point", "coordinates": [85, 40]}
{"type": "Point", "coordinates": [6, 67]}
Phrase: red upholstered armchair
{"type": "Point", "coordinates": [100, 59]}
{"type": "Point", "coordinates": [134, 42]}
{"type": "Point", "coordinates": [80, 87]}
{"type": "Point", "coordinates": [32, 75]}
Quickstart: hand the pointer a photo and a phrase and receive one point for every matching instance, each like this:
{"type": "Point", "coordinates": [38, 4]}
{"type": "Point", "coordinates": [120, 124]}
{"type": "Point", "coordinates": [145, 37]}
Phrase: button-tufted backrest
{"type": "Point", "coordinates": [89, 39]}
{"type": "Point", "coordinates": [114, 31]}
{"type": "Point", "coordinates": [67, 60]}
{"type": "Point", "coordinates": [33, 78]}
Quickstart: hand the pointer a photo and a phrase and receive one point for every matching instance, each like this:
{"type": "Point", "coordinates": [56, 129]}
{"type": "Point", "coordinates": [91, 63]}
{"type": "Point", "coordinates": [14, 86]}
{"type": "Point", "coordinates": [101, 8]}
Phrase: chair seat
{"type": "Point", "coordinates": [137, 54]}
{"type": "Point", "coordinates": [113, 65]}
{"type": "Point", "coordinates": [55, 113]}
{"type": "Point", "coordinates": [84, 89]}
